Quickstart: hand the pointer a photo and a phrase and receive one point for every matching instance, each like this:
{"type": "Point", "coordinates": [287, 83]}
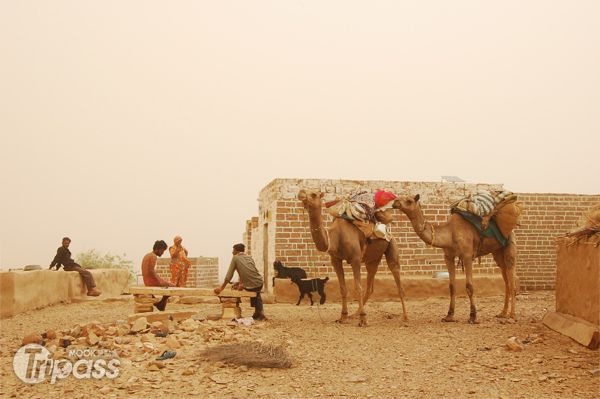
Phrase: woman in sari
{"type": "Point", "coordinates": [179, 263]}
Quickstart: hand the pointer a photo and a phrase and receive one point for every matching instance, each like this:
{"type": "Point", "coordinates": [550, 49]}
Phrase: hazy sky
{"type": "Point", "coordinates": [123, 122]}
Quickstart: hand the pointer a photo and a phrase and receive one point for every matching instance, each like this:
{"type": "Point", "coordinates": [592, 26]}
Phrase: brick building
{"type": "Point", "coordinates": [203, 273]}
{"type": "Point", "coordinates": [280, 231]}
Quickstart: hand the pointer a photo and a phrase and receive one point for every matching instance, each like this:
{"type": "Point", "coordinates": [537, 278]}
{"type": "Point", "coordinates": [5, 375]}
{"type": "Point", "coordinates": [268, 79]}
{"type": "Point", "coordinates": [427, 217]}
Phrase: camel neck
{"type": "Point", "coordinates": [317, 230]}
{"type": "Point", "coordinates": [425, 230]}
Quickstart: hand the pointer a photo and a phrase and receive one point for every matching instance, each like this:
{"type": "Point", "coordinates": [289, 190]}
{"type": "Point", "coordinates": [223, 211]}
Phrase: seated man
{"type": "Point", "coordinates": [250, 278]}
{"type": "Point", "coordinates": [63, 258]}
{"type": "Point", "coordinates": [151, 279]}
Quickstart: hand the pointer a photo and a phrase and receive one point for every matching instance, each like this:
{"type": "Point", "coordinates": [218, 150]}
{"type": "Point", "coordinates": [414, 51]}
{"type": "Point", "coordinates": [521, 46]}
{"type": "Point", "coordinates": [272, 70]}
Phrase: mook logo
{"type": "Point", "coordinates": [33, 364]}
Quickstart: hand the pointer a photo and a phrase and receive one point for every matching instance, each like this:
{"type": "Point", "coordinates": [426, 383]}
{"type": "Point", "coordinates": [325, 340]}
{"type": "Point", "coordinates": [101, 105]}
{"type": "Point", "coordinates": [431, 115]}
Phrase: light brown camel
{"type": "Point", "coordinates": [344, 241]}
{"type": "Point", "coordinates": [459, 238]}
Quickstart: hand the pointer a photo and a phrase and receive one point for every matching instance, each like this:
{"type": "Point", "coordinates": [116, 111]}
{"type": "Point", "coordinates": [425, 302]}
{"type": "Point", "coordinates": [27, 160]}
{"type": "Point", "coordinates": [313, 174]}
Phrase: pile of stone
{"type": "Point", "coordinates": [138, 343]}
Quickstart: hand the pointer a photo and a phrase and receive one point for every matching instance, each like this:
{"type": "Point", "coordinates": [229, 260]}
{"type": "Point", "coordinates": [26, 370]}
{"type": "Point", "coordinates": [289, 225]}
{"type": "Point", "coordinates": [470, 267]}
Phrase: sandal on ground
{"type": "Point", "coordinates": [167, 355]}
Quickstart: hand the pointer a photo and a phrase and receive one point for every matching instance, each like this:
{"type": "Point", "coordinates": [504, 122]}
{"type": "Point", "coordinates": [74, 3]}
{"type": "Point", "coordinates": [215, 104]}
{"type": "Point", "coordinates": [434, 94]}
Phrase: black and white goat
{"type": "Point", "coordinates": [287, 272]}
{"type": "Point", "coordinates": [309, 286]}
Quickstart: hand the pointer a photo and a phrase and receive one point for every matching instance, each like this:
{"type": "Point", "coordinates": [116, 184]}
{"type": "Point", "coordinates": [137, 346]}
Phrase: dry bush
{"type": "Point", "coordinates": [251, 354]}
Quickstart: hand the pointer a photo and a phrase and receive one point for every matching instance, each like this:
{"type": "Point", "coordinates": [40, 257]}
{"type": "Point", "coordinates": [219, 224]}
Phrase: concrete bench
{"type": "Point", "coordinates": [144, 299]}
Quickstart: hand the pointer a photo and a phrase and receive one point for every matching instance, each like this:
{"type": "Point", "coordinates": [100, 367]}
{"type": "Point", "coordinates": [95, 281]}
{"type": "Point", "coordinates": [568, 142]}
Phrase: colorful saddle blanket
{"type": "Point", "coordinates": [491, 231]}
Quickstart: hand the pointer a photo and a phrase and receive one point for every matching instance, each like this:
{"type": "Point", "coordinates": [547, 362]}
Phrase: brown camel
{"type": "Point", "coordinates": [459, 238]}
{"type": "Point", "coordinates": [344, 241]}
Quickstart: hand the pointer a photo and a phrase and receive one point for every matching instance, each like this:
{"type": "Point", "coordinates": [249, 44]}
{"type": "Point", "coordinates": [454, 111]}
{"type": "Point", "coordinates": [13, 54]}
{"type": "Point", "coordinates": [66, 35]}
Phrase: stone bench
{"type": "Point", "coordinates": [230, 299]}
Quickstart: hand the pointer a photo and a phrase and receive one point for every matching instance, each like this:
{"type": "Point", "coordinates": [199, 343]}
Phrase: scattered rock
{"type": "Point", "coordinates": [189, 325]}
{"type": "Point", "coordinates": [122, 340]}
{"type": "Point", "coordinates": [92, 339]}
{"type": "Point", "coordinates": [123, 329]}
{"type": "Point", "coordinates": [75, 331]}
{"type": "Point", "coordinates": [512, 344]}
{"type": "Point", "coordinates": [105, 389]}
{"type": "Point", "coordinates": [111, 331]}
{"type": "Point", "coordinates": [65, 341]}
{"type": "Point", "coordinates": [149, 347]}
{"type": "Point", "coordinates": [172, 343]}
{"type": "Point", "coordinates": [50, 335]}
{"type": "Point", "coordinates": [155, 365]}
{"type": "Point", "coordinates": [139, 324]}
{"type": "Point", "coordinates": [32, 338]}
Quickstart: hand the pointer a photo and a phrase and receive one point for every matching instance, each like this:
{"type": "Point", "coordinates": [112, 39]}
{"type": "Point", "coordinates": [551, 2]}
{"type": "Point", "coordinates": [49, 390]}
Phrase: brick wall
{"type": "Point", "coordinates": [284, 223]}
{"type": "Point", "coordinates": [203, 272]}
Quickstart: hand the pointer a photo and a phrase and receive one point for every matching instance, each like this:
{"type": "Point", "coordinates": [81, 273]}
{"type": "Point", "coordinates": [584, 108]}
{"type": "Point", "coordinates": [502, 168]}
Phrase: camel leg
{"type": "Point", "coordinates": [451, 266]}
{"type": "Point", "coordinates": [356, 263]}
{"type": "Point", "coordinates": [371, 271]}
{"type": "Point", "coordinates": [391, 256]}
{"type": "Point", "coordinates": [510, 260]}
{"type": "Point", "coordinates": [468, 262]}
{"type": "Point", "coordinates": [339, 271]}
{"type": "Point", "coordinates": [499, 259]}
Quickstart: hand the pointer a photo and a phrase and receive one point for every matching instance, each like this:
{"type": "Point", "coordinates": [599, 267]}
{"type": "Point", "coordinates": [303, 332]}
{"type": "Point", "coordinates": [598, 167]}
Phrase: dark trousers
{"type": "Point", "coordinates": [162, 304]}
{"type": "Point", "coordinates": [87, 277]}
{"type": "Point", "coordinates": [256, 302]}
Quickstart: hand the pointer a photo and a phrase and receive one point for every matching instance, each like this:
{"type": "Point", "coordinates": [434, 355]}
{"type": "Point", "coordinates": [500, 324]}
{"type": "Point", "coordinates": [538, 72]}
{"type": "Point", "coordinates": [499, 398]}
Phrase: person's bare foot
{"type": "Point", "coordinates": [94, 292]}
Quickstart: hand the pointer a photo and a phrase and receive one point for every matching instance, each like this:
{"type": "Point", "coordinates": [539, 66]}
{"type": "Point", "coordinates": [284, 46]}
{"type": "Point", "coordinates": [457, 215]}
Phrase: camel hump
{"type": "Point", "coordinates": [507, 216]}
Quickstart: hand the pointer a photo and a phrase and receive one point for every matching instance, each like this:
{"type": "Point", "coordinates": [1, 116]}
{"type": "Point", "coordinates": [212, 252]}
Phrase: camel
{"type": "Point", "coordinates": [459, 238]}
{"type": "Point", "coordinates": [344, 241]}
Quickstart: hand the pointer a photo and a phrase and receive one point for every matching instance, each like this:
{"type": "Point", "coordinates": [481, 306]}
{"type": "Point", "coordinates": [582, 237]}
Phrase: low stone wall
{"type": "Point", "coordinates": [385, 288]}
{"type": "Point", "coordinates": [21, 291]}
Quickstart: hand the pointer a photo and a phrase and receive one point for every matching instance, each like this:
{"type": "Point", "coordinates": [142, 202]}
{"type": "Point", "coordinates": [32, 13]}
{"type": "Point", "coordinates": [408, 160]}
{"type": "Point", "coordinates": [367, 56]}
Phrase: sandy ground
{"type": "Point", "coordinates": [423, 358]}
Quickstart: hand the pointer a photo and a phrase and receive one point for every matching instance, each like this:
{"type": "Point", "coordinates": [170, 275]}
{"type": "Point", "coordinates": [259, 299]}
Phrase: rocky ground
{"type": "Point", "coordinates": [423, 358]}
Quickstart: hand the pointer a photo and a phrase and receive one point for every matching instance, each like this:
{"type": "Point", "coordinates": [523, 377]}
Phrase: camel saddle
{"type": "Point", "coordinates": [358, 210]}
{"type": "Point", "coordinates": [373, 230]}
{"type": "Point", "coordinates": [501, 206]}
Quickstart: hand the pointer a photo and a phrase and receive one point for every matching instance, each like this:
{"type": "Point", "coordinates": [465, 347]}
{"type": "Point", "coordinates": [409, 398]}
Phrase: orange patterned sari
{"type": "Point", "coordinates": [179, 265]}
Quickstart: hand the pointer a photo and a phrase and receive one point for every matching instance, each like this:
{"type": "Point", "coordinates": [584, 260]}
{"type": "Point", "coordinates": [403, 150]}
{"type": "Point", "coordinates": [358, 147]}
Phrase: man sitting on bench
{"type": "Point", "coordinates": [250, 278]}
{"type": "Point", "coordinates": [151, 279]}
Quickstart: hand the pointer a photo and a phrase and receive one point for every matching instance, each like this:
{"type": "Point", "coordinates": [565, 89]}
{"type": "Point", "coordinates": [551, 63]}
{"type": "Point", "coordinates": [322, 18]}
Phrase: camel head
{"type": "Point", "coordinates": [310, 199]}
{"type": "Point", "coordinates": [407, 204]}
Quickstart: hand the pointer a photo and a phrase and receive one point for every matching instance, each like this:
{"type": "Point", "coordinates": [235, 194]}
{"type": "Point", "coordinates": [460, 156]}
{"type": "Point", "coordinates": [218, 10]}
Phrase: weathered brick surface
{"type": "Point", "coordinates": [203, 273]}
{"type": "Point", "coordinates": [284, 224]}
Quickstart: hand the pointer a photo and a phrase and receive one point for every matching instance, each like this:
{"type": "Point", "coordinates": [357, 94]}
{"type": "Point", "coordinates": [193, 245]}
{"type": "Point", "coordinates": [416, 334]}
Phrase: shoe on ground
{"type": "Point", "coordinates": [94, 292]}
{"type": "Point", "coordinates": [259, 317]}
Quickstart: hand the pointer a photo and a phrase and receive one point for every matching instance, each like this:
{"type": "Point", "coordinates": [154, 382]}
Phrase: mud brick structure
{"type": "Point", "coordinates": [203, 273]}
{"type": "Point", "coordinates": [280, 231]}
{"type": "Point", "coordinates": [578, 279]}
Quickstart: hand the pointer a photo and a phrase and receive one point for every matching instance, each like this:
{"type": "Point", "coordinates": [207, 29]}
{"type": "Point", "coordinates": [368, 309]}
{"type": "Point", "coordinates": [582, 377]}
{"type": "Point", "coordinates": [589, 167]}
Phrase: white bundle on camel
{"type": "Point", "coordinates": [500, 205]}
